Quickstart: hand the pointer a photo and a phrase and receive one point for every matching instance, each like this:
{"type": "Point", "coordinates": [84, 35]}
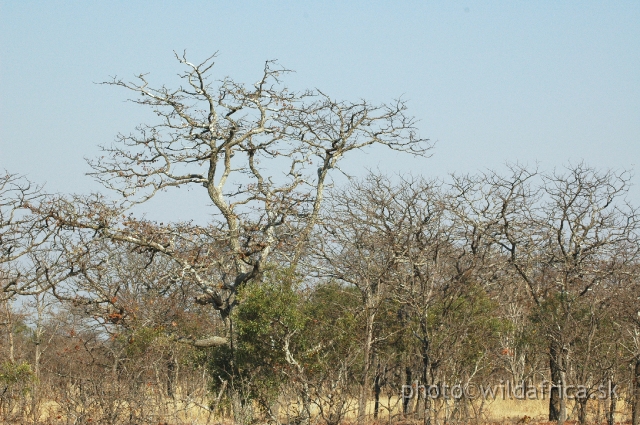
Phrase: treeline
{"type": "Point", "coordinates": [304, 301]}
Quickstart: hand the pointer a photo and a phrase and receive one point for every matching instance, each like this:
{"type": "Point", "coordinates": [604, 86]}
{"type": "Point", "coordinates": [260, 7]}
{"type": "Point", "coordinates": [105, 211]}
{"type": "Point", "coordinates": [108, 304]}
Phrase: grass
{"type": "Point", "coordinates": [497, 411]}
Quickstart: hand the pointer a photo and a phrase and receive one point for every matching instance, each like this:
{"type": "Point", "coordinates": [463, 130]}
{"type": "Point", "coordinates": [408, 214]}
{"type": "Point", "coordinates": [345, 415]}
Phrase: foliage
{"type": "Point", "coordinates": [15, 374]}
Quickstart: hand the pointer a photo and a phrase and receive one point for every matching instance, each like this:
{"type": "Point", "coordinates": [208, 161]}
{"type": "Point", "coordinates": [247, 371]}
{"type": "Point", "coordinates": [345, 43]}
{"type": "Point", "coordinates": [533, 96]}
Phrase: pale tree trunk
{"type": "Point", "coordinates": [305, 391]}
{"type": "Point", "coordinates": [9, 324]}
{"type": "Point", "coordinates": [12, 357]}
{"type": "Point", "coordinates": [38, 334]}
{"type": "Point", "coordinates": [364, 384]}
{"type": "Point", "coordinates": [35, 396]}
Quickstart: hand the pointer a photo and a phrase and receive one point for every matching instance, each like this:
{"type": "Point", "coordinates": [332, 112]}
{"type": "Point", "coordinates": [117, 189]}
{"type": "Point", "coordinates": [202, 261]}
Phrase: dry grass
{"type": "Point", "coordinates": [504, 412]}
{"type": "Point", "coordinates": [512, 411]}
{"type": "Point", "coordinates": [501, 410]}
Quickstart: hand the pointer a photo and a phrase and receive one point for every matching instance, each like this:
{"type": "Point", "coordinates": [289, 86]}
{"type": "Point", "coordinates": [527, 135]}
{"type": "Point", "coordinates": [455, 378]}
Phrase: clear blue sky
{"type": "Point", "coordinates": [492, 82]}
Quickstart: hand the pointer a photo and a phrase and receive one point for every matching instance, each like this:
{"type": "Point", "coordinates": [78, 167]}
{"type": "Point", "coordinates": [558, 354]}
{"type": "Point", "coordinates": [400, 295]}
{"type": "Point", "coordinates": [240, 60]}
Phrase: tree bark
{"type": "Point", "coordinates": [426, 365]}
{"type": "Point", "coordinates": [611, 415]}
{"type": "Point", "coordinates": [635, 408]}
{"type": "Point", "coordinates": [364, 384]}
{"type": "Point", "coordinates": [582, 410]}
{"type": "Point", "coordinates": [377, 389]}
{"type": "Point", "coordinates": [557, 403]}
{"type": "Point", "coordinates": [305, 391]}
{"type": "Point", "coordinates": [405, 400]}
{"type": "Point", "coordinates": [378, 382]}
{"type": "Point", "coordinates": [171, 372]}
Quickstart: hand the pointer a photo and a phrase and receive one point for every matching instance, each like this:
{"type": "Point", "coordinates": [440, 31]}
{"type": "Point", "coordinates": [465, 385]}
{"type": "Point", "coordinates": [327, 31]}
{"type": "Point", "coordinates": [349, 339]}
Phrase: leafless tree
{"type": "Point", "coordinates": [363, 242]}
{"type": "Point", "coordinates": [566, 238]}
{"type": "Point", "coordinates": [262, 154]}
{"type": "Point", "coordinates": [398, 243]}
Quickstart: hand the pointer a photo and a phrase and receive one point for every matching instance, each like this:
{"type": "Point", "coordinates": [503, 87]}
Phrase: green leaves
{"type": "Point", "coordinates": [13, 374]}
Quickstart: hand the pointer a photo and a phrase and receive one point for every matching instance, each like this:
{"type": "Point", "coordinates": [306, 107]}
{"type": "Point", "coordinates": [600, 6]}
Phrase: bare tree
{"type": "Point", "coordinates": [363, 242]}
{"type": "Point", "coordinates": [33, 256]}
{"type": "Point", "coordinates": [399, 246]}
{"type": "Point", "coordinates": [263, 155]}
{"type": "Point", "coordinates": [19, 233]}
{"type": "Point", "coordinates": [625, 305]}
{"type": "Point", "coordinates": [566, 239]}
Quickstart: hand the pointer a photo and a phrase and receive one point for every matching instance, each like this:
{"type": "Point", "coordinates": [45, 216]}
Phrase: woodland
{"type": "Point", "coordinates": [311, 296]}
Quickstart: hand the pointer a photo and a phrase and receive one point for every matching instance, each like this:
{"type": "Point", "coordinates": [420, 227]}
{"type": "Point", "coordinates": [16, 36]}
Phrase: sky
{"type": "Point", "coordinates": [544, 82]}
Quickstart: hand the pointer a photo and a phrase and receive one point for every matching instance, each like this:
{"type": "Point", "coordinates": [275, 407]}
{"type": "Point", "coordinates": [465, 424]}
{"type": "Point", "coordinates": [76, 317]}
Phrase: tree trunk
{"type": "Point", "coordinates": [405, 400]}
{"type": "Point", "coordinates": [171, 372]}
{"type": "Point", "coordinates": [635, 408]}
{"type": "Point", "coordinates": [306, 404]}
{"type": "Point", "coordinates": [557, 403]}
{"type": "Point", "coordinates": [364, 384]}
{"type": "Point", "coordinates": [563, 398]}
{"type": "Point", "coordinates": [611, 416]}
{"type": "Point", "coordinates": [426, 365]}
{"type": "Point", "coordinates": [305, 392]}
{"type": "Point", "coordinates": [10, 330]}
{"type": "Point", "coordinates": [35, 395]}
{"type": "Point", "coordinates": [582, 410]}
{"type": "Point", "coordinates": [377, 389]}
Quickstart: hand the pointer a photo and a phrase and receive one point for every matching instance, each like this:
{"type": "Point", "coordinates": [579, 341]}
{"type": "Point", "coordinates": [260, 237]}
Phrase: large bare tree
{"type": "Point", "coordinates": [262, 154]}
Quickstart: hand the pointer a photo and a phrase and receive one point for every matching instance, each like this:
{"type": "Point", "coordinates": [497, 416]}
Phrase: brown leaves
{"type": "Point", "coordinates": [115, 318]}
